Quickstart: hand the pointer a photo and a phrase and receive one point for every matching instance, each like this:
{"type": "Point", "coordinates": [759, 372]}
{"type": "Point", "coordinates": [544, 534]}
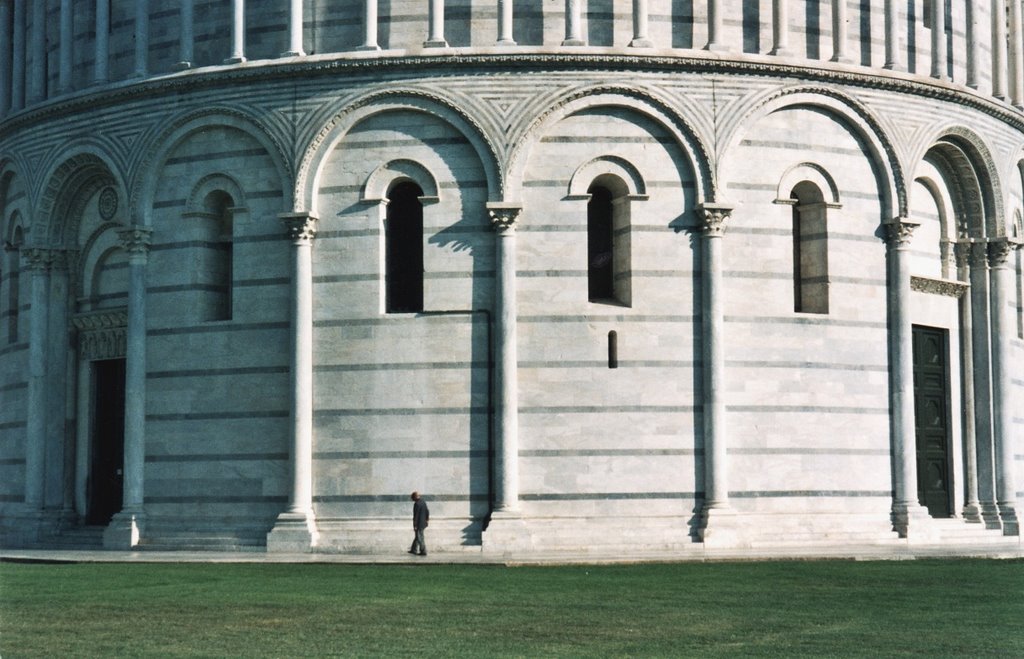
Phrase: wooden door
{"type": "Point", "coordinates": [931, 419]}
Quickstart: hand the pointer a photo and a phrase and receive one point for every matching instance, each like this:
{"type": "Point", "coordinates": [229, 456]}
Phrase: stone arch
{"type": "Point", "coordinates": [354, 111]}
{"type": "Point", "coordinates": [380, 181]}
{"type": "Point", "coordinates": [210, 184]}
{"type": "Point", "coordinates": [808, 171]}
{"type": "Point", "coordinates": [641, 101]}
{"type": "Point", "coordinates": [69, 185]}
{"type": "Point", "coordinates": [967, 161]}
{"type": "Point", "coordinates": [144, 182]}
{"type": "Point", "coordinates": [844, 109]}
{"type": "Point", "coordinates": [604, 166]}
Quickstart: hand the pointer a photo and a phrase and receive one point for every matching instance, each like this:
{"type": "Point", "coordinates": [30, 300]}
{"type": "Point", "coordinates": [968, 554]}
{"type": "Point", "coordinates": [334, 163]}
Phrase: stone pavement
{"type": "Point", "coordinates": [874, 552]}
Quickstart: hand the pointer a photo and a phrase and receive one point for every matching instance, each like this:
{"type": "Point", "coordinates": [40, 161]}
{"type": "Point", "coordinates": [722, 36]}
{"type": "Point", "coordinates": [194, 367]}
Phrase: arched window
{"type": "Point", "coordinates": [608, 242]}
{"type": "Point", "coordinates": [403, 249]}
{"type": "Point", "coordinates": [218, 256]}
{"type": "Point", "coordinates": [810, 250]}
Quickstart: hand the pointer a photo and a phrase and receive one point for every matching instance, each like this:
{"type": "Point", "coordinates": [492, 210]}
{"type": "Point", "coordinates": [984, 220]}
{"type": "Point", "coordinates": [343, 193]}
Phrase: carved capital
{"type": "Point", "coordinates": [712, 218]}
{"type": "Point", "coordinates": [999, 251]}
{"type": "Point", "coordinates": [962, 254]}
{"type": "Point", "coordinates": [899, 231]}
{"type": "Point", "coordinates": [136, 241]}
{"type": "Point", "coordinates": [37, 259]}
{"type": "Point", "coordinates": [979, 254]}
{"type": "Point", "coordinates": [300, 227]}
{"type": "Point", "coordinates": [504, 215]}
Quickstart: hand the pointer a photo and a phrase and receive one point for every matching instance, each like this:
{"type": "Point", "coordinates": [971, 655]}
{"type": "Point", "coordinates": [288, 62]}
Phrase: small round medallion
{"type": "Point", "coordinates": [108, 203]}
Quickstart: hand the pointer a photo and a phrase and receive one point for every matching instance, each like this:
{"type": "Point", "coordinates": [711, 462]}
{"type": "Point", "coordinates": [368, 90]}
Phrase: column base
{"type": "Point", "coordinates": [234, 60]}
{"type": "Point", "coordinates": [1008, 518]}
{"type": "Point", "coordinates": [972, 513]}
{"type": "Point", "coordinates": [124, 531]}
{"type": "Point", "coordinates": [781, 52]}
{"type": "Point", "coordinates": [505, 42]}
{"type": "Point", "coordinates": [574, 42]}
{"type": "Point", "coordinates": [990, 516]}
{"type": "Point", "coordinates": [441, 43]}
{"type": "Point", "coordinates": [293, 532]}
{"type": "Point", "coordinates": [912, 521]}
{"type": "Point", "coordinates": [506, 532]}
{"type": "Point", "coordinates": [368, 46]}
{"type": "Point", "coordinates": [716, 48]}
{"type": "Point", "coordinates": [641, 43]}
{"type": "Point", "coordinates": [719, 527]}
{"type": "Point", "coordinates": [842, 59]}
{"type": "Point", "coordinates": [182, 66]}
{"type": "Point", "coordinates": [292, 53]}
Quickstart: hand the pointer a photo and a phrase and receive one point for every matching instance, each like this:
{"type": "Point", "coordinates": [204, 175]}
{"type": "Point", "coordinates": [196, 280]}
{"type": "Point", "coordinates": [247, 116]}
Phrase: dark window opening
{"type": "Point", "coordinates": [403, 237]}
{"type": "Point", "coordinates": [600, 245]}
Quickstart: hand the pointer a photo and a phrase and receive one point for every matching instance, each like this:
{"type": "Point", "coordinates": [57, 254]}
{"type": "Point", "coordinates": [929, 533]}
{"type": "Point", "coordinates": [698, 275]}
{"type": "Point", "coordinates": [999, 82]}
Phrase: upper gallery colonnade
{"type": "Point", "coordinates": [45, 49]}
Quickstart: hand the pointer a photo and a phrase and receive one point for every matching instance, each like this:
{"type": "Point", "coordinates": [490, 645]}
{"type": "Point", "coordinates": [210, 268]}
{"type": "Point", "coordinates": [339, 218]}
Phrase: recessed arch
{"type": "Point", "coordinates": [607, 166]}
{"type": "Point", "coordinates": [210, 184]}
{"type": "Point", "coordinates": [383, 178]}
{"type": "Point", "coordinates": [69, 185]}
{"type": "Point", "coordinates": [354, 111]}
{"type": "Point", "coordinates": [808, 171]}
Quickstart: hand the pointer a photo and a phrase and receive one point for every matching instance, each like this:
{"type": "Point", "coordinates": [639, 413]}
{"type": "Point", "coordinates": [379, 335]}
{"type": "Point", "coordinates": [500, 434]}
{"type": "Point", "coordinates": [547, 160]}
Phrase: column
{"type": "Point", "coordinates": [505, 23]}
{"type": "Point", "coordinates": [780, 28]}
{"type": "Point", "coordinates": [907, 512]}
{"type": "Point", "coordinates": [37, 46]}
{"type": "Point", "coordinates": [972, 510]}
{"type": "Point", "coordinates": [999, 66]}
{"type": "Point", "coordinates": [573, 30]}
{"type": "Point", "coordinates": [506, 381]}
{"type": "Point", "coordinates": [435, 38]}
{"type": "Point", "coordinates": [982, 384]}
{"type": "Point", "coordinates": [294, 30]}
{"type": "Point", "coordinates": [187, 34]}
{"type": "Point", "coordinates": [101, 67]}
{"type": "Point", "coordinates": [38, 263]}
{"type": "Point", "coordinates": [716, 468]}
{"type": "Point", "coordinates": [295, 529]}
{"type": "Point", "coordinates": [237, 32]}
{"type": "Point", "coordinates": [127, 526]}
{"type": "Point", "coordinates": [839, 32]}
{"type": "Point", "coordinates": [67, 36]}
{"type": "Point", "coordinates": [1016, 53]}
{"type": "Point", "coordinates": [972, 44]}
{"type": "Point", "coordinates": [640, 23]}
{"type": "Point", "coordinates": [715, 24]}
{"type": "Point", "coordinates": [370, 26]}
{"type": "Point", "coordinates": [1001, 276]}
{"type": "Point", "coordinates": [892, 35]}
{"type": "Point", "coordinates": [141, 38]}
{"type": "Point", "coordinates": [5, 56]}
{"type": "Point", "coordinates": [18, 58]}
{"type": "Point", "coordinates": [938, 11]}
{"type": "Point", "coordinates": [56, 381]}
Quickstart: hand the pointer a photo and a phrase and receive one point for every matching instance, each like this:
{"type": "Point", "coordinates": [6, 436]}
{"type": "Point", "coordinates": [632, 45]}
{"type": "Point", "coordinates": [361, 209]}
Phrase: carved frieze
{"type": "Point", "coordinates": [944, 287]}
{"type": "Point", "coordinates": [102, 334]}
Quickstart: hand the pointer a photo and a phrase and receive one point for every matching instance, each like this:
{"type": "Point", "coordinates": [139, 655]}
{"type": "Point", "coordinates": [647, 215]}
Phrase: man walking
{"type": "Point", "coordinates": [420, 518]}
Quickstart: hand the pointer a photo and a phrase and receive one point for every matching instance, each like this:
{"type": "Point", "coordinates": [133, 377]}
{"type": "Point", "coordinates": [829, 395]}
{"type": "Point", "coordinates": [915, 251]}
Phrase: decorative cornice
{"type": "Point", "coordinates": [944, 287]}
{"type": "Point", "coordinates": [349, 63]}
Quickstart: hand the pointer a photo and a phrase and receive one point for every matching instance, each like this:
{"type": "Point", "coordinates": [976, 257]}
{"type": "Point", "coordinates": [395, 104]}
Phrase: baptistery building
{"type": "Point", "coordinates": [594, 275]}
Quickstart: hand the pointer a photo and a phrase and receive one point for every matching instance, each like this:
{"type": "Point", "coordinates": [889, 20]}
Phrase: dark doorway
{"type": "Point", "coordinates": [106, 466]}
{"type": "Point", "coordinates": [403, 234]}
{"type": "Point", "coordinates": [931, 419]}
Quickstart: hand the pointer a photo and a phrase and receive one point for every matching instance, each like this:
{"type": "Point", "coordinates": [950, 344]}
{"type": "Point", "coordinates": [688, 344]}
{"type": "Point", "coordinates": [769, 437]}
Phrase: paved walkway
{"type": "Point", "coordinates": [880, 552]}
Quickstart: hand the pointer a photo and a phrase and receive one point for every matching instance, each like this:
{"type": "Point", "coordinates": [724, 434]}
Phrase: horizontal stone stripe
{"type": "Point", "coordinates": [14, 386]}
{"type": "Point", "coordinates": [185, 288]}
{"type": "Point", "coordinates": [219, 416]}
{"type": "Point", "coordinates": [395, 366]}
{"type": "Point", "coordinates": [807, 409]}
{"type": "Point", "coordinates": [215, 499]}
{"type": "Point", "coordinates": [10, 425]}
{"type": "Point", "coordinates": [220, 327]}
{"type": "Point", "coordinates": [816, 494]}
{"type": "Point", "coordinates": [375, 277]}
{"type": "Point", "coordinates": [608, 139]}
{"type": "Point", "coordinates": [217, 372]}
{"type": "Point", "coordinates": [12, 498]}
{"type": "Point", "coordinates": [397, 455]}
{"type": "Point", "coordinates": [13, 348]}
{"type": "Point", "coordinates": [253, 283]}
{"type": "Point", "coordinates": [458, 316]}
{"type": "Point", "coordinates": [398, 411]}
{"type": "Point", "coordinates": [219, 457]}
{"type": "Point", "coordinates": [397, 498]}
{"type": "Point", "coordinates": [358, 139]}
{"type": "Point", "coordinates": [169, 203]}
{"type": "Point", "coordinates": [601, 363]}
{"type": "Point", "coordinates": [810, 451]}
{"type": "Point", "coordinates": [804, 320]}
{"type": "Point", "coordinates": [214, 155]}
{"type": "Point", "coordinates": [803, 146]}
{"type": "Point", "coordinates": [608, 409]}
{"type": "Point", "coordinates": [264, 194]}
{"type": "Point", "coordinates": [830, 366]}
{"type": "Point", "coordinates": [610, 318]}
{"type": "Point", "coordinates": [346, 233]}
{"type": "Point", "coordinates": [786, 276]}
{"type": "Point", "coordinates": [8, 462]}
{"type": "Point", "coordinates": [609, 453]}
{"type": "Point", "coordinates": [607, 496]}
{"type": "Point", "coordinates": [217, 245]}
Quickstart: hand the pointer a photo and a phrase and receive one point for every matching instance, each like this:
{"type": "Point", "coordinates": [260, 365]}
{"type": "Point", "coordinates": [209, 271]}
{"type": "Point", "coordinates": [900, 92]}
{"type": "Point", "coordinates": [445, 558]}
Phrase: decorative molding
{"type": "Point", "coordinates": [504, 215]}
{"type": "Point", "coordinates": [899, 231]}
{"type": "Point", "coordinates": [102, 334]}
{"type": "Point", "coordinates": [108, 203]}
{"type": "Point", "coordinates": [300, 227]}
{"type": "Point", "coordinates": [713, 217]}
{"type": "Point", "coordinates": [944, 287]}
{"type": "Point", "coordinates": [136, 240]}
{"type": "Point", "coordinates": [999, 251]}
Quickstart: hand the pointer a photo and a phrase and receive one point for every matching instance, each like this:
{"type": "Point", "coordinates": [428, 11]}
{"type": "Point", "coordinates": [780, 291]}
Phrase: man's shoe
{"type": "Point", "coordinates": [412, 552]}
{"type": "Point", "coordinates": [423, 553]}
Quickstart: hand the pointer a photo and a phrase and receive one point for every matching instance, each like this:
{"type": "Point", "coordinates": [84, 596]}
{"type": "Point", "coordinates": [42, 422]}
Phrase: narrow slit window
{"type": "Point", "coordinates": [403, 237]}
{"type": "Point", "coordinates": [810, 250]}
{"type": "Point", "coordinates": [613, 349]}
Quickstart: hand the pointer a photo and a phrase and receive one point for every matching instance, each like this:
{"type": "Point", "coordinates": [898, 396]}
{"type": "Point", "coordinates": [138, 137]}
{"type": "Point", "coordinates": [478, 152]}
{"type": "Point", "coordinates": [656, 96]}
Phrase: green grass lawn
{"type": "Point", "coordinates": [947, 608]}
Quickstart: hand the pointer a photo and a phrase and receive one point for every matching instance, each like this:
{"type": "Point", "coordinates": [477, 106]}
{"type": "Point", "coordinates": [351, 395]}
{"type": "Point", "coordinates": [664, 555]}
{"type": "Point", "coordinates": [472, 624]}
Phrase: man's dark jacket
{"type": "Point", "coordinates": [420, 514]}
